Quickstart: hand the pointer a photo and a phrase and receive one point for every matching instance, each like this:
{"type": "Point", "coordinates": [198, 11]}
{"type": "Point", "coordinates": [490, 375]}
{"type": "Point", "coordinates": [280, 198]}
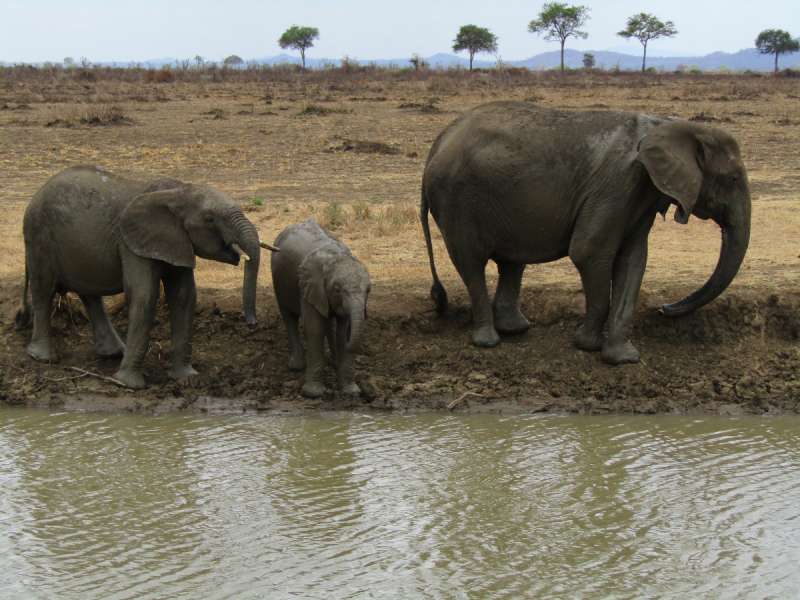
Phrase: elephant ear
{"type": "Point", "coordinates": [151, 228]}
{"type": "Point", "coordinates": [311, 276]}
{"type": "Point", "coordinates": [674, 156]}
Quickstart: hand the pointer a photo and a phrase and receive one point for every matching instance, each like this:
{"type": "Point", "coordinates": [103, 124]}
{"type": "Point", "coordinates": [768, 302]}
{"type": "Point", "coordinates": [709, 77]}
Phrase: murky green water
{"type": "Point", "coordinates": [393, 506]}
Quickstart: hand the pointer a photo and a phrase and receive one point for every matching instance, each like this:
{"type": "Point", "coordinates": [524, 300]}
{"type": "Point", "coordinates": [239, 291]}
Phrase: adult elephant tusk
{"type": "Point", "coordinates": [268, 246]}
{"type": "Point", "coordinates": [239, 251]}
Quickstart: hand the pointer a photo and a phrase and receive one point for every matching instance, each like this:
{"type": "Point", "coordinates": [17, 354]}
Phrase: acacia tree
{"type": "Point", "coordinates": [299, 38]}
{"type": "Point", "coordinates": [645, 27]}
{"type": "Point", "coordinates": [777, 42]}
{"type": "Point", "coordinates": [233, 61]}
{"type": "Point", "coordinates": [474, 39]}
{"type": "Point", "coordinates": [558, 22]}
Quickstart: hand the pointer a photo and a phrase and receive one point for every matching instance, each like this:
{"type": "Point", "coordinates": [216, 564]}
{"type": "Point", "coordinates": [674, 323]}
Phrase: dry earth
{"type": "Point", "coordinates": [349, 151]}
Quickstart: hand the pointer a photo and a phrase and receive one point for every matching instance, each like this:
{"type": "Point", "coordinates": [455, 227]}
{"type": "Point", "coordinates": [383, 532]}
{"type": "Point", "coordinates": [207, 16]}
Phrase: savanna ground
{"type": "Point", "coordinates": [347, 147]}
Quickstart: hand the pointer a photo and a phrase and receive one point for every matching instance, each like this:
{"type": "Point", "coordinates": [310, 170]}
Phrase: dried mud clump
{"type": "Point", "coordinates": [368, 147]}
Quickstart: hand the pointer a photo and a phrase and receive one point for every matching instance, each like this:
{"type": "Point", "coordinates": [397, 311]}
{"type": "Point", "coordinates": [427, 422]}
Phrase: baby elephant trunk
{"type": "Point", "coordinates": [355, 327]}
{"type": "Point", "coordinates": [246, 237]}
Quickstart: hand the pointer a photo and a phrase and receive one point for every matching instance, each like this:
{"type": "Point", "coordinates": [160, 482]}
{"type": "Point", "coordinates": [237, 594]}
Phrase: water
{"type": "Point", "coordinates": [398, 506]}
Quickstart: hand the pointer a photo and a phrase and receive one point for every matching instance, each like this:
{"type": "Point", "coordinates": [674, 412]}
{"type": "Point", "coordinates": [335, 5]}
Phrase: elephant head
{"type": "Point", "coordinates": [335, 282]}
{"type": "Point", "coordinates": [700, 168]}
{"type": "Point", "coordinates": [178, 224]}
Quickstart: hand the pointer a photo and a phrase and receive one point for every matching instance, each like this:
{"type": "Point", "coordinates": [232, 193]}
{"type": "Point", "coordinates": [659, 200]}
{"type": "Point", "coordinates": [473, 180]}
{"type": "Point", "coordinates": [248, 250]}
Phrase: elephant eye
{"type": "Point", "coordinates": [208, 219]}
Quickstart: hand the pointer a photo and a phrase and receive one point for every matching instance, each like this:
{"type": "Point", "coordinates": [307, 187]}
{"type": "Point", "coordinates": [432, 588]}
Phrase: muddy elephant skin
{"type": "Point", "coordinates": [519, 185]}
{"type": "Point", "coordinates": [93, 233]}
{"type": "Point", "coordinates": [317, 278]}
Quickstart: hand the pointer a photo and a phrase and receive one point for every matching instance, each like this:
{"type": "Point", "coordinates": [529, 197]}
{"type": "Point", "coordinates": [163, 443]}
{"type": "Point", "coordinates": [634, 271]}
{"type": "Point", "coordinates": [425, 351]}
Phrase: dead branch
{"type": "Point", "coordinates": [103, 377]}
{"type": "Point", "coordinates": [458, 400]}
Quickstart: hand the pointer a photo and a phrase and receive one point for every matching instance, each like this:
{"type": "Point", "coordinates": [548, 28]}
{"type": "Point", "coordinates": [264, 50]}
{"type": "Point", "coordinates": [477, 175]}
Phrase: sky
{"type": "Point", "coordinates": [124, 31]}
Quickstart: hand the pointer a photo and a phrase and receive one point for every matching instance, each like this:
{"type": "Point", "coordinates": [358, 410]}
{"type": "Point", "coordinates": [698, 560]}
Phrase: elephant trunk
{"type": "Point", "coordinates": [735, 224]}
{"type": "Point", "coordinates": [355, 327]}
{"type": "Point", "coordinates": [246, 236]}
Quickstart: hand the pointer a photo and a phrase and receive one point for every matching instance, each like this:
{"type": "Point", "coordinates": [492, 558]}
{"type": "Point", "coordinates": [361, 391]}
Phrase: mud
{"type": "Point", "coordinates": [738, 355]}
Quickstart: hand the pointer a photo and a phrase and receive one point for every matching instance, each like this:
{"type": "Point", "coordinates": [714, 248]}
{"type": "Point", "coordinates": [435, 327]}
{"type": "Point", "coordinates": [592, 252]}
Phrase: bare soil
{"type": "Point", "coordinates": [350, 152]}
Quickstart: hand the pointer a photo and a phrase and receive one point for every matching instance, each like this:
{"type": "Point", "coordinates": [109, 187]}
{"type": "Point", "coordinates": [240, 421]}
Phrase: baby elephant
{"type": "Point", "coordinates": [317, 278]}
{"type": "Point", "coordinates": [95, 234]}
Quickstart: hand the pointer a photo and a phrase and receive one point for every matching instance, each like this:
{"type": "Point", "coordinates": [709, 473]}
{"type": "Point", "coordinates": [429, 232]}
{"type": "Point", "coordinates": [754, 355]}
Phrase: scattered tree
{"type": "Point", "coordinates": [69, 61]}
{"type": "Point", "coordinates": [558, 22]}
{"type": "Point", "coordinates": [475, 39]}
{"type": "Point", "coordinates": [645, 27]}
{"type": "Point", "coordinates": [233, 61]}
{"type": "Point", "coordinates": [777, 42]}
{"type": "Point", "coordinates": [419, 62]}
{"type": "Point", "coordinates": [588, 60]}
{"type": "Point", "coordinates": [299, 38]}
{"type": "Point", "coordinates": [200, 60]}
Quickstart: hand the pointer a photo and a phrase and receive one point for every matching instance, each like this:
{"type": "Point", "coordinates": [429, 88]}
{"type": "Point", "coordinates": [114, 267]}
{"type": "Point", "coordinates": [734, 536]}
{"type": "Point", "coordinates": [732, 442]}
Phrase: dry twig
{"type": "Point", "coordinates": [103, 377]}
{"type": "Point", "coordinates": [458, 400]}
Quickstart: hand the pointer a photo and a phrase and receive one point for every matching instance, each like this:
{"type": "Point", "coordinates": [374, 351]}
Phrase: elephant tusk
{"type": "Point", "coordinates": [268, 246]}
{"type": "Point", "coordinates": [239, 251]}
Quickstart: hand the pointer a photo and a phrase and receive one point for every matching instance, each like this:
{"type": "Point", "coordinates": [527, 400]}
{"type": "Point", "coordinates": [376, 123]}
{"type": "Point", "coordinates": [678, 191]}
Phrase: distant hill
{"type": "Point", "coordinates": [740, 61]}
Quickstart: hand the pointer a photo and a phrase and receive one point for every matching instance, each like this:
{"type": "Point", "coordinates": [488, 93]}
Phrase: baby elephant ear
{"type": "Point", "coordinates": [151, 228]}
{"type": "Point", "coordinates": [674, 157]}
{"type": "Point", "coordinates": [311, 276]}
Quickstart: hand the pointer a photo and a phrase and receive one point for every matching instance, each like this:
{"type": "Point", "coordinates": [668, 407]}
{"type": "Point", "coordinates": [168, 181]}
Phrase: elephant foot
{"type": "Point", "coordinates": [349, 388]}
{"type": "Point", "coordinates": [109, 349]}
{"type": "Point", "coordinates": [297, 363]}
{"type": "Point", "coordinates": [131, 379]}
{"type": "Point", "coordinates": [588, 339]}
{"type": "Point", "coordinates": [619, 354]}
{"type": "Point", "coordinates": [313, 390]}
{"type": "Point", "coordinates": [42, 352]}
{"type": "Point", "coordinates": [178, 373]}
{"type": "Point", "coordinates": [511, 321]}
{"type": "Point", "coordinates": [485, 337]}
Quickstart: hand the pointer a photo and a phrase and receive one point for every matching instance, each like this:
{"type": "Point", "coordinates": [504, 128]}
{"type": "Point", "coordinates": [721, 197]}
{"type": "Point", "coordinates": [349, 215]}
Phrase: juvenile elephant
{"type": "Point", "coordinates": [93, 233]}
{"type": "Point", "coordinates": [317, 278]}
{"type": "Point", "coordinates": [518, 184]}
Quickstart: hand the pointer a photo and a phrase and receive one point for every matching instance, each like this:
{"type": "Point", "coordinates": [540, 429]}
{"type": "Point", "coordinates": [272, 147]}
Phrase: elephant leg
{"type": "Point", "coordinates": [42, 289]}
{"type": "Point", "coordinates": [507, 316]}
{"type": "Point", "coordinates": [471, 266]}
{"type": "Point", "coordinates": [315, 326]}
{"type": "Point", "coordinates": [297, 360]}
{"type": "Point", "coordinates": [333, 345]}
{"type": "Point", "coordinates": [106, 341]}
{"type": "Point", "coordinates": [181, 295]}
{"type": "Point", "coordinates": [141, 289]}
{"type": "Point", "coordinates": [627, 275]}
{"type": "Point", "coordinates": [595, 271]}
{"type": "Point", "coordinates": [346, 368]}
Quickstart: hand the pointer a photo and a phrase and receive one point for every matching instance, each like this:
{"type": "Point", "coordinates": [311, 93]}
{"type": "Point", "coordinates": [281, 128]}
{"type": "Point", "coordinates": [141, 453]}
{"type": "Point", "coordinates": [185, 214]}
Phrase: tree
{"type": "Point", "coordinates": [299, 38]}
{"type": "Point", "coordinates": [474, 39]}
{"type": "Point", "coordinates": [777, 42]}
{"type": "Point", "coordinates": [558, 22]}
{"type": "Point", "coordinates": [233, 61]}
{"type": "Point", "coordinates": [69, 61]}
{"type": "Point", "coordinates": [645, 27]}
{"type": "Point", "coordinates": [588, 60]}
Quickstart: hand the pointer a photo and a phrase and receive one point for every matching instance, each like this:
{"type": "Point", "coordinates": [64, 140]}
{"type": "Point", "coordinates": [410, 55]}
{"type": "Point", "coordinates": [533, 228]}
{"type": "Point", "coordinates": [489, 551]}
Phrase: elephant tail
{"type": "Point", "coordinates": [23, 316]}
{"type": "Point", "coordinates": [437, 289]}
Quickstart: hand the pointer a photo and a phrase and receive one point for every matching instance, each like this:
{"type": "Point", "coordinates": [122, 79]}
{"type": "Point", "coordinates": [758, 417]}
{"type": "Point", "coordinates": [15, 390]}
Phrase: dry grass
{"type": "Point", "coordinates": [301, 168]}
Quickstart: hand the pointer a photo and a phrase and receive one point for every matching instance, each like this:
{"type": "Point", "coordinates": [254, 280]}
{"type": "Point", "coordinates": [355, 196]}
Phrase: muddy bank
{"type": "Point", "coordinates": [738, 355]}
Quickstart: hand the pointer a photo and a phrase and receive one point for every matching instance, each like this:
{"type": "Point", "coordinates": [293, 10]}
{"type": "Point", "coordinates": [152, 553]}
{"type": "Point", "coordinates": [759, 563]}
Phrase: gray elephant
{"type": "Point", "coordinates": [93, 233]}
{"type": "Point", "coordinates": [316, 277]}
{"type": "Point", "coordinates": [518, 184]}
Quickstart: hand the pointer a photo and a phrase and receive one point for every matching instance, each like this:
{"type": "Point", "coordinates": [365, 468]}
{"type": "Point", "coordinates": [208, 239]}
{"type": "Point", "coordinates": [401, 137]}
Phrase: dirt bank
{"type": "Point", "coordinates": [739, 354]}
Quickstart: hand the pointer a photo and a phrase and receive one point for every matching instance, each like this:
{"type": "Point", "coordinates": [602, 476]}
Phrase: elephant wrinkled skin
{"type": "Point", "coordinates": [93, 233]}
{"type": "Point", "coordinates": [317, 278]}
{"type": "Point", "coordinates": [517, 184]}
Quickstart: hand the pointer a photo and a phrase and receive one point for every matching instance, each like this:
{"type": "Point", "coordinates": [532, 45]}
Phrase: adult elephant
{"type": "Point", "coordinates": [316, 277]}
{"type": "Point", "coordinates": [93, 233]}
{"type": "Point", "coordinates": [518, 184]}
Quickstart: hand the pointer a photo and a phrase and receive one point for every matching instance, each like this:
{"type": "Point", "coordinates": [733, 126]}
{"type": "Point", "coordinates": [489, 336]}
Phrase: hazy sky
{"type": "Point", "coordinates": [139, 30]}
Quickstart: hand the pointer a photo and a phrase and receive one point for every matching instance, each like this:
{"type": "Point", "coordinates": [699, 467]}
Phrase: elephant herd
{"type": "Point", "coordinates": [505, 181]}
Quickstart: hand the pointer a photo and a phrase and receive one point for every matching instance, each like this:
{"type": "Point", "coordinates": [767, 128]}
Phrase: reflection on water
{"type": "Point", "coordinates": [411, 506]}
